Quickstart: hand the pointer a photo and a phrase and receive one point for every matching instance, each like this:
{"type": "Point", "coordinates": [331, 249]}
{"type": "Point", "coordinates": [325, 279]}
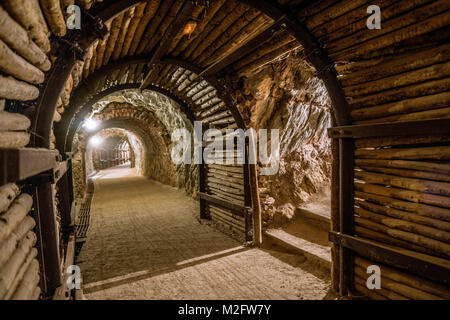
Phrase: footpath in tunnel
{"type": "Point", "coordinates": [146, 242]}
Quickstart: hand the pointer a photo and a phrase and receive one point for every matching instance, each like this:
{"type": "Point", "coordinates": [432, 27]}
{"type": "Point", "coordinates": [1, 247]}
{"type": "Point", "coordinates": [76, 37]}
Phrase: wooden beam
{"type": "Point", "coordinates": [389, 129]}
{"type": "Point", "coordinates": [314, 52]}
{"type": "Point", "coordinates": [430, 267]}
{"type": "Point", "coordinates": [239, 210]}
{"type": "Point", "coordinates": [21, 164]}
{"type": "Point", "coordinates": [63, 292]}
{"type": "Point", "coordinates": [346, 212]}
{"type": "Point", "coordinates": [251, 45]}
{"type": "Point", "coordinates": [59, 170]}
{"type": "Point", "coordinates": [48, 238]}
{"type": "Point", "coordinates": [177, 25]}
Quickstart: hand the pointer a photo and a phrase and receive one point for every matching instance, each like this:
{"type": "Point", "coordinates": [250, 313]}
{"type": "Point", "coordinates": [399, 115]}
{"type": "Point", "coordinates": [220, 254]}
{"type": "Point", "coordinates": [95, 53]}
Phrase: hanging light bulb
{"type": "Point", "coordinates": [190, 27]}
{"type": "Point", "coordinates": [90, 124]}
{"type": "Point", "coordinates": [95, 141]}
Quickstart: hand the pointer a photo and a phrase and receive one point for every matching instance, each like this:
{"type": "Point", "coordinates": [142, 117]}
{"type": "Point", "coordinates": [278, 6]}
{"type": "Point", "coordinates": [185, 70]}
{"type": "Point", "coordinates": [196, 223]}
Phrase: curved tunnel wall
{"type": "Point", "coordinates": [396, 74]}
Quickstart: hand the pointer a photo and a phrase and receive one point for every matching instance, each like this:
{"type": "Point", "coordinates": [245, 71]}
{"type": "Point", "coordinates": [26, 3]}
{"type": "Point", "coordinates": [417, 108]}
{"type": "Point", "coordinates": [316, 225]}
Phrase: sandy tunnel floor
{"type": "Point", "coordinates": [144, 242]}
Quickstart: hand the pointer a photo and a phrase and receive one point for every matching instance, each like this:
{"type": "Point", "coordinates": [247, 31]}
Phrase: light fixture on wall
{"type": "Point", "coordinates": [95, 141]}
{"type": "Point", "coordinates": [190, 27]}
{"type": "Point", "coordinates": [90, 124]}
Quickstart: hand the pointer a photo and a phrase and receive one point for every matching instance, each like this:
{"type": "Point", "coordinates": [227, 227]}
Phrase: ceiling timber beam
{"type": "Point", "coordinates": [176, 27]}
{"type": "Point", "coordinates": [251, 45]}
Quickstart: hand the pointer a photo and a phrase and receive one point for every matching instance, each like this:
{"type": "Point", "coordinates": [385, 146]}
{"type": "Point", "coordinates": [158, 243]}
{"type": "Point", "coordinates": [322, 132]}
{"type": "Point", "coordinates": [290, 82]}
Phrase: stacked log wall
{"type": "Point", "coordinates": [19, 267]}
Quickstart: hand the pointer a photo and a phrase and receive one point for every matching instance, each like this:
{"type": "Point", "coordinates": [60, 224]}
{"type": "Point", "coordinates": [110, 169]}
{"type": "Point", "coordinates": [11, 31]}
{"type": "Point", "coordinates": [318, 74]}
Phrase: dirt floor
{"type": "Point", "coordinates": [145, 242]}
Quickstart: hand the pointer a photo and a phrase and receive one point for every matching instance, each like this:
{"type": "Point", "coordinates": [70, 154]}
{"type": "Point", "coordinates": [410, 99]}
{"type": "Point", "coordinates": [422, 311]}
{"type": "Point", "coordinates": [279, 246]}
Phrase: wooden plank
{"type": "Point", "coordinates": [389, 129]}
{"type": "Point", "coordinates": [254, 43]}
{"type": "Point", "coordinates": [177, 25]}
{"type": "Point", "coordinates": [346, 211]}
{"type": "Point", "coordinates": [20, 164]}
{"type": "Point", "coordinates": [63, 292]}
{"type": "Point", "coordinates": [433, 268]}
{"type": "Point", "coordinates": [239, 210]}
{"type": "Point", "coordinates": [59, 170]}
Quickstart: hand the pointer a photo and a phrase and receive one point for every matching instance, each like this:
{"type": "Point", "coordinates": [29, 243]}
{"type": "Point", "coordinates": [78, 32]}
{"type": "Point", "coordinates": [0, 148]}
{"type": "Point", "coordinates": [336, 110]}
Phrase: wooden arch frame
{"type": "Point", "coordinates": [47, 101]}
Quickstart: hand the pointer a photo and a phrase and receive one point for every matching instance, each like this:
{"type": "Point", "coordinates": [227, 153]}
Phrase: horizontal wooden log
{"type": "Point", "coordinates": [28, 13]}
{"type": "Point", "coordinates": [20, 273]}
{"type": "Point", "coordinates": [425, 74]}
{"type": "Point", "coordinates": [238, 218]}
{"type": "Point", "coordinates": [403, 215]}
{"type": "Point", "coordinates": [218, 215]}
{"type": "Point", "coordinates": [423, 115]}
{"type": "Point", "coordinates": [422, 27]}
{"type": "Point", "coordinates": [401, 93]}
{"type": "Point", "coordinates": [403, 225]}
{"type": "Point", "coordinates": [8, 246]}
{"type": "Point", "coordinates": [13, 121]}
{"type": "Point", "coordinates": [55, 17]}
{"type": "Point", "coordinates": [29, 282]}
{"type": "Point", "coordinates": [367, 230]}
{"type": "Point", "coordinates": [409, 173]}
{"type": "Point", "coordinates": [361, 287]}
{"type": "Point", "coordinates": [404, 140]}
{"type": "Point", "coordinates": [8, 193]}
{"type": "Point", "coordinates": [228, 216]}
{"type": "Point", "coordinates": [232, 198]}
{"type": "Point", "coordinates": [221, 177]}
{"type": "Point", "coordinates": [8, 271]}
{"type": "Point", "coordinates": [434, 187]}
{"type": "Point", "coordinates": [412, 196]}
{"type": "Point", "coordinates": [227, 168]}
{"type": "Point", "coordinates": [424, 265]}
{"type": "Point", "coordinates": [13, 89]}
{"type": "Point", "coordinates": [37, 293]}
{"type": "Point", "coordinates": [226, 183]}
{"type": "Point", "coordinates": [408, 279]}
{"type": "Point", "coordinates": [401, 289]}
{"type": "Point", "coordinates": [15, 214]}
{"type": "Point", "coordinates": [378, 294]}
{"type": "Point", "coordinates": [436, 246]}
{"type": "Point", "coordinates": [404, 164]}
{"type": "Point", "coordinates": [364, 191]}
{"type": "Point", "coordinates": [13, 139]}
{"type": "Point", "coordinates": [427, 153]}
{"type": "Point", "coordinates": [403, 107]}
{"type": "Point", "coordinates": [397, 65]}
{"type": "Point", "coordinates": [18, 39]}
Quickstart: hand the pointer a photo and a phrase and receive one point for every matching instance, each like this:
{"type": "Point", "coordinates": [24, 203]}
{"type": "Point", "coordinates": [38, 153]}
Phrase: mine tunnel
{"type": "Point", "coordinates": [350, 125]}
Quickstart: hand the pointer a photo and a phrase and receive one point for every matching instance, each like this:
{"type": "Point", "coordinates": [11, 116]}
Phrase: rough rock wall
{"type": "Point", "coordinates": [287, 95]}
{"type": "Point", "coordinates": [170, 115]}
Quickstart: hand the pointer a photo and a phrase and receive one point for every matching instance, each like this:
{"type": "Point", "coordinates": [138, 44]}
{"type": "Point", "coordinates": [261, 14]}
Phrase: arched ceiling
{"type": "Point", "coordinates": [371, 75]}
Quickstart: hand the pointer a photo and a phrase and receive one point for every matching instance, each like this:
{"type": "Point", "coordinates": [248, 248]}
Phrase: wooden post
{"type": "Point", "coordinates": [48, 238]}
{"type": "Point", "coordinates": [247, 194]}
{"type": "Point", "coordinates": [65, 203]}
{"type": "Point", "coordinates": [202, 175]}
{"type": "Point", "coordinates": [346, 209]}
{"type": "Point", "coordinates": [253, 176]}
{"type": "Point", "coordinates": [335, 218]}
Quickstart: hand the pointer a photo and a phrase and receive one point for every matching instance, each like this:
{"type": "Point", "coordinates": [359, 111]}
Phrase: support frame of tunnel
{"type": "Point", "coordinates": [66, 61]}
{"type": "Point", "coordinates": [64, 64]}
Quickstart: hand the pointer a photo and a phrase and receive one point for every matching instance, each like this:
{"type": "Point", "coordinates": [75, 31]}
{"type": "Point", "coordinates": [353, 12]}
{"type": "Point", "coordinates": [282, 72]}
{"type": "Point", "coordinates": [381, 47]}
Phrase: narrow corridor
{"type": "Point", "coordinates": [145, 242]}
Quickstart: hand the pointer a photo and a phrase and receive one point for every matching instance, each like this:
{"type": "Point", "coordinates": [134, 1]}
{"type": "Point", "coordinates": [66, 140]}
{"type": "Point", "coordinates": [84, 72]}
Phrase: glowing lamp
{"type": "Point", "coordinates": [90, 124]}
{"type": "Point", "coordinates": [95, 141]}
{"type": "Point", "coordinates": [190, 27]}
